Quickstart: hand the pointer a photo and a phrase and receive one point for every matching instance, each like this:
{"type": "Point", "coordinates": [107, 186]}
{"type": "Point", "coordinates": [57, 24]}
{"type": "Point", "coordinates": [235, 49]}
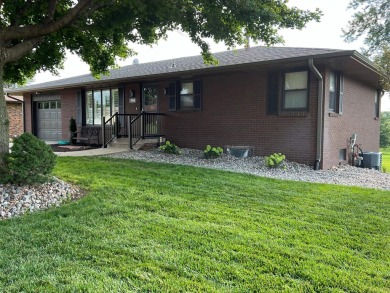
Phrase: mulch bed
{"type": "Point", "coordinates": [71, 148]}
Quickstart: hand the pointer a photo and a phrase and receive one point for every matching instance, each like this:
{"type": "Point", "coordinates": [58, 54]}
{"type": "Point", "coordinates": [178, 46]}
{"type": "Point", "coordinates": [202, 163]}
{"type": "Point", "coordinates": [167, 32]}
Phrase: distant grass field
{"type": "Point", "coordinates": [386, 159]}
{"type": "Point", "coordinates": [147, 227]}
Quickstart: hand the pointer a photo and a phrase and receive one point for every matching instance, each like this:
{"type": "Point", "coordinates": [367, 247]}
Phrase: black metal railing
{"type": "Point", "coordinates": [133, 126]}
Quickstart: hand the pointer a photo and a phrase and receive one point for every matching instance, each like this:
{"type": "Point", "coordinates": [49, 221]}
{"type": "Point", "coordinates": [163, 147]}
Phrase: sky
{"type": "Point", "coordinates": [325, 34]}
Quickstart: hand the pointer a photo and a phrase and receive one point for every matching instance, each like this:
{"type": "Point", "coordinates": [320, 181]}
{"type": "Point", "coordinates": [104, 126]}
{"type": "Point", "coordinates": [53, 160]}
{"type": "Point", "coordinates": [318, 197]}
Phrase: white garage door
{"type": "Point", "coordinates": [49, 120]}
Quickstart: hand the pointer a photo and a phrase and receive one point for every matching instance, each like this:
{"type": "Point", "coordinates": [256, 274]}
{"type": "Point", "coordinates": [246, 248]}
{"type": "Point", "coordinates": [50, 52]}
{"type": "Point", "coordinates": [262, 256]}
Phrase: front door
{"type": "Point", "coordinates": [150, 107]}
{"type": "Point", "coordinates": [149, 98]}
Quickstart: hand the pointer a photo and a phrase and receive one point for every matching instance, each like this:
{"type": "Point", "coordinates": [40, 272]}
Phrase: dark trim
{"type": "Point", "coordinates": [273, 88]}
{"type": "Point", "coordinates": [34, 117]}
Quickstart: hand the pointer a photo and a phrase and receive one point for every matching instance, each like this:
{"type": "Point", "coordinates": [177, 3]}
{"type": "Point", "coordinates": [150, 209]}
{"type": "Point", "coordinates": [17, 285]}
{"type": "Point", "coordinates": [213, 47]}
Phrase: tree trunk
{"type": "Point", "coordinates": [4, 121]}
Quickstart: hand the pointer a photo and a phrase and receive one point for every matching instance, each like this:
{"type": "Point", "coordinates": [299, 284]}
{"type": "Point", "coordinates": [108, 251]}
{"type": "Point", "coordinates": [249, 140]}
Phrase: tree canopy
{"type": "Point", "coordinates": [34, 34]}
{"type": "Point", "coordinates": [372, 21]}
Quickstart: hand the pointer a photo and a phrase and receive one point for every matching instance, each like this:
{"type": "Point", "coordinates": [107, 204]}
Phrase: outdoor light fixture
{"type": "Point", "coordinates": [132, 94]}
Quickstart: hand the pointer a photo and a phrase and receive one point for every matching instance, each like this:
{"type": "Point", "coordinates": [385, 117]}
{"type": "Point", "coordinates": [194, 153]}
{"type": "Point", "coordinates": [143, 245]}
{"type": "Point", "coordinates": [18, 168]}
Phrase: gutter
{"type": "Point", "coordinates": [23, 109]}
{"type": "Point", "coordinates": [320, 97]}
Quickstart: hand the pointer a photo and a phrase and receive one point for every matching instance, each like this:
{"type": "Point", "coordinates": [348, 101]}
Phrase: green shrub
{"type": "Point", "coordinates": [274, 160]}
{"type": "Point", "coordinates": [30, 161]}
{"type": "Point", "coordinates": [212, 152]}
{"type": "Point", "coordinates": [72, 125]}
{"type": "Point", "coordinates": [170, 148]}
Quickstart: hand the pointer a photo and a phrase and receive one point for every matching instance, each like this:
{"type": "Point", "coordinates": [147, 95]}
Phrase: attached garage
{"type": "Point", "coordinates": [48, 117]}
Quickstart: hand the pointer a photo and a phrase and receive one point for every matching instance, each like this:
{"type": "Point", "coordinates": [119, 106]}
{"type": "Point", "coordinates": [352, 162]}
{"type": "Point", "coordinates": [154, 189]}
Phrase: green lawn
{"type": "Point", "coordinates": [166, 228]}
{"type": "Point", "coordinates": [386, 159]}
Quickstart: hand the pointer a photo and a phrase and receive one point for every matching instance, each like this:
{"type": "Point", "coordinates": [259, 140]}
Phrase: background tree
{"type": "Point", "coordinates": [35, 34]}
{"type": "Point", "coordinates": [385, 130]}
{"type": "Point", "coordinates": [372, 21]}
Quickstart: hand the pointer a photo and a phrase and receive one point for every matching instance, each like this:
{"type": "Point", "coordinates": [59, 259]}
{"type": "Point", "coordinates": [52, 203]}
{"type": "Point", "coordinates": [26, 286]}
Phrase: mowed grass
{"type": "Point", "coordinates": [385, 159]}
{"type": "Point", "coordinates": [167, 228]}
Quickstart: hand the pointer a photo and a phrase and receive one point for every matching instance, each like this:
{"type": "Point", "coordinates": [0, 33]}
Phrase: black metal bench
{"type": "Point", "coordinates": [88, 135]}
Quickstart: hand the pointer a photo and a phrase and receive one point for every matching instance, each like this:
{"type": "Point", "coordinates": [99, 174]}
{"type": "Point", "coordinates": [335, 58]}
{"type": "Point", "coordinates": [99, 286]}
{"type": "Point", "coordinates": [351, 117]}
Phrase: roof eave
{"type": "Point", "coordinates": [347, 53]}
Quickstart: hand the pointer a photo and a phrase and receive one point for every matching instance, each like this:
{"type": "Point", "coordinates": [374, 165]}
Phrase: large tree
{"type": "Point", "coordinates": [34, 34]}
{"type": "Point", "coordinates": [371, 20]}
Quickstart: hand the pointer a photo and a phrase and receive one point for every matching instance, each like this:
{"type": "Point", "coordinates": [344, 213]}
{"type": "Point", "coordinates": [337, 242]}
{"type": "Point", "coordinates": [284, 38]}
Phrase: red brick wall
{"type": "Point", "coordinates": [358, 117]}
{"type": "Point", "coordinates": [233, 112]}
{"type": "Point", "coordinates": [15, 116]}
{"type": "Point", "coordinates": [68, 110]}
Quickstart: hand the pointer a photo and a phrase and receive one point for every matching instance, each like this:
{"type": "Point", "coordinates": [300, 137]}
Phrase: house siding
{"type": "Point", "coordinates": [234, 112]}
{"type": "Point", "coordinates": [358, 117]}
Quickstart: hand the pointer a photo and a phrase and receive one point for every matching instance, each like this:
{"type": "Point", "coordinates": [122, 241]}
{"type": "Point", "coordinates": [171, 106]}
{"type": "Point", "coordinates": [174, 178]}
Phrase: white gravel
{"type": "Point", "coordinates": [342, 175]}
{"type": "Point", "coordinates": [17, 200]}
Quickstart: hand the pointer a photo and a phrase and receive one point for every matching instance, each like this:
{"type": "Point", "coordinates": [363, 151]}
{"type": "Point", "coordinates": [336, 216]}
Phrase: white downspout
{"type": "Point", "coordinates": [320, 113]}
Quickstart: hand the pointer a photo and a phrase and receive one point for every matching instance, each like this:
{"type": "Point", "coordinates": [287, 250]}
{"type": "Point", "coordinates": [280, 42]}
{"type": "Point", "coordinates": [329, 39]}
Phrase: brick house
{"type": "Point", "coordinates": [15, 115]}
{"type": "Point", "coordinates": [303, 102]}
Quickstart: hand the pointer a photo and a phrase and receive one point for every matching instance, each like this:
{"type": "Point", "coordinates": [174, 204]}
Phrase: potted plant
{"type": "Point", "coordinates": [72, 131]}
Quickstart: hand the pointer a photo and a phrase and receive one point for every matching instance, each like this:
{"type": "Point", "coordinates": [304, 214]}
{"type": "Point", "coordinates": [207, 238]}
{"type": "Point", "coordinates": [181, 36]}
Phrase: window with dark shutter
{"type": "Point", "coordinates": [341, 93]}
{"type": "Point", "coordinates": [273, 88]}
{"type": "Point", "coordinates": [189, 95]}
{"type": "Point", "coordinates": [336, 92]}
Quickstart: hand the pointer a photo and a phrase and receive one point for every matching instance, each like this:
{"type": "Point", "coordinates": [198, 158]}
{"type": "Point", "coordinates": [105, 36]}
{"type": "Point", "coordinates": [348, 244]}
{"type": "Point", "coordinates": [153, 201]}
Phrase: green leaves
{"type": "Point", "coordinates": [275, 160]}
{"type": "Point", "coordinates": [103, 32]}
{"type": "Point", "coordinates": [212, 152]}
{"type": "Point", "coordinates": [372, 20]}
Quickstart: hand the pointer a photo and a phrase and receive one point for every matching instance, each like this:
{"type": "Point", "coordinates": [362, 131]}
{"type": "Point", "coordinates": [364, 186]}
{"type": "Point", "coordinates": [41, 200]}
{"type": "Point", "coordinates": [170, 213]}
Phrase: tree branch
{"type": "Point", "coordinates": [51, 10]}
{"type": "Point", "coordinates": [41, 30]}
{"type": "Point", "coordinates": [18, 51]}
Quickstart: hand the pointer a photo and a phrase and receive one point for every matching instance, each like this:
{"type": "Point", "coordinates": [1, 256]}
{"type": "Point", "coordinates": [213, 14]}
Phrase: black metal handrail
{"type": "Point", "coordinates": [144, 125]}
{"type": "Point", "coordinates": [137, 127]}
{"type": "Point", "coordinates": [109, 129]}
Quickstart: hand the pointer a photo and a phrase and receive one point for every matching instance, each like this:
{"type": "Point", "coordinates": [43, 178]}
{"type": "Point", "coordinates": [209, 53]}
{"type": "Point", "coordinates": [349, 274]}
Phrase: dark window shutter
{"type": "Point", "coordinates": [172, 97]}
{"type": "Point", "coordinates": [177, 91]}
{"type": "Point", "coordinates": [341, 93]}
{"type": "Point", "coordinates": [273, 88]}
{"type": "Point", "coordinates": [197, 94]}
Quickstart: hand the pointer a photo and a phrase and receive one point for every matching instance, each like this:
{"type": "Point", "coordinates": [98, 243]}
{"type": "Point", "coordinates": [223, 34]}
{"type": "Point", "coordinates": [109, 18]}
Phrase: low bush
{"type": "Point", "coordinates": [275, 160]}
{"type": "Point", "coordinates": [212, 152]}
{"type": "Point", "coordinates": [170, 148]}
{"type": "Point", "coordinates": [30, 161]}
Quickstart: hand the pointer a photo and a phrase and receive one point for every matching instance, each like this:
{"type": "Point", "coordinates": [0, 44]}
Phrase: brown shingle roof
{"type": "Point", "coordinates": [227, 59]}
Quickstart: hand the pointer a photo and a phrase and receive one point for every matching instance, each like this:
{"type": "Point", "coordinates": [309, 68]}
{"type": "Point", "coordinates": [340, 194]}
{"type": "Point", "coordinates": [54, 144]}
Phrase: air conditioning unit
{"type": "Point", "coordinates": [372, 160]}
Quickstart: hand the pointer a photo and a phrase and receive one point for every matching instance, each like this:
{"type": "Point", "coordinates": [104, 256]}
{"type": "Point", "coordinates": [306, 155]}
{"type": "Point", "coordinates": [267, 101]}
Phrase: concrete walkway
{"type": "Point", "coordinates": [92, 152]}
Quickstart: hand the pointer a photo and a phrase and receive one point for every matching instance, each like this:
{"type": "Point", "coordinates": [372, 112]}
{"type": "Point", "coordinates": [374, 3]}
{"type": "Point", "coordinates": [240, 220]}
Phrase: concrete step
{"type": "Point", "coordinates": [123, 142]}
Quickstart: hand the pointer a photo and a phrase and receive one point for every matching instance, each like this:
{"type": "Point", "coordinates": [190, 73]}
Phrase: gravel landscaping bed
{"type": "Point", "coordinates": [17, 200]}
{"type": "Point", "coordinates": [343, 175]}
